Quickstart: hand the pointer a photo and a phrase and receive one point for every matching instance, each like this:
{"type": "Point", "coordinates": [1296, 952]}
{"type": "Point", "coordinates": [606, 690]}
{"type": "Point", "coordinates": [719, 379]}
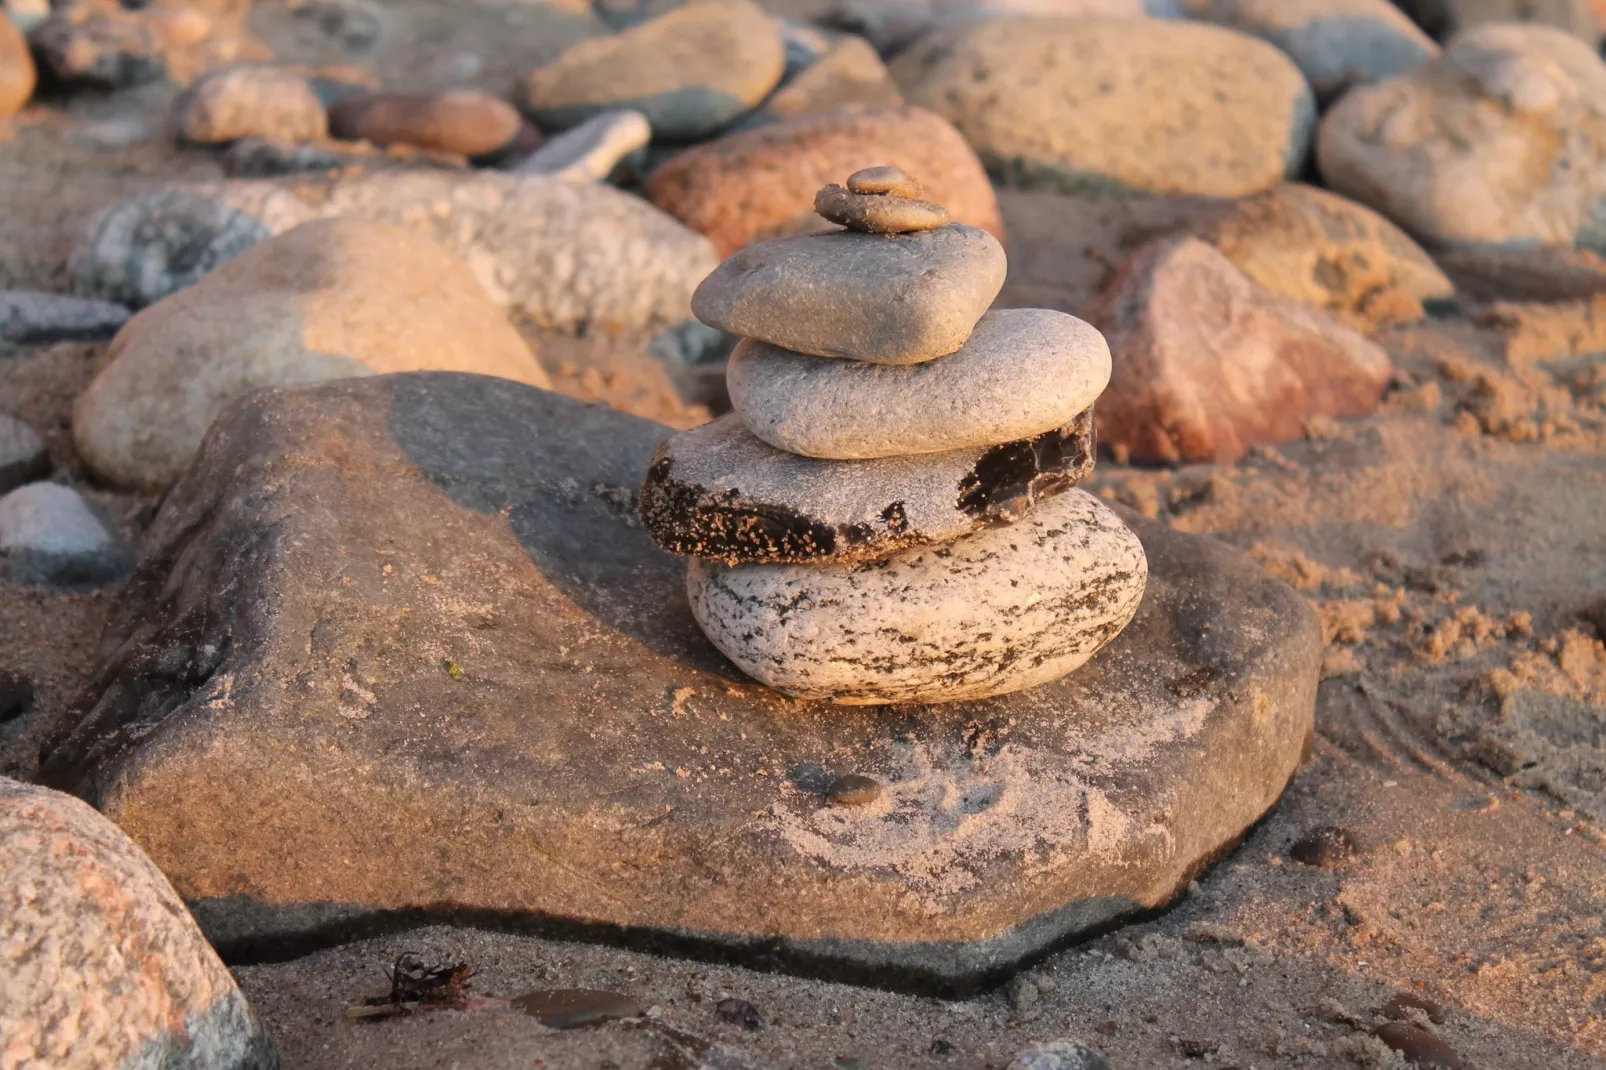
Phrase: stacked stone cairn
{"type": "Point", "coordinates": [891, 512]}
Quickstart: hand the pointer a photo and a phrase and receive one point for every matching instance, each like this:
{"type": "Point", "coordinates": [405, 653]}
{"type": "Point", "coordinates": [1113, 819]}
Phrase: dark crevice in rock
{"type": "Point", "coordinates": [1009, 479]}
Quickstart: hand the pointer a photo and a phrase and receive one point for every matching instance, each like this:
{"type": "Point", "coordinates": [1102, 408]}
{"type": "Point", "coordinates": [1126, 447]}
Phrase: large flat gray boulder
{"type": "Point", "coordinates": [400, 650]}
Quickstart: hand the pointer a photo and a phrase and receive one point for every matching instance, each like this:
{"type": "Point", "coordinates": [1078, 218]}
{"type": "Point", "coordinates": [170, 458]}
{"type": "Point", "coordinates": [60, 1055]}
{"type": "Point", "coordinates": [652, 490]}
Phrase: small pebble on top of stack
{"type": "Point", "coordinates": [890, 515]}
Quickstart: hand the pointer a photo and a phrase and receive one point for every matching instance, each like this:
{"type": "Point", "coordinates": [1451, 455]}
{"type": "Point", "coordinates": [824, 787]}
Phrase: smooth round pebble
{"type": "Point", "coordinates": [878, 213]}
{"type": "Point", "coordinates": [853, 789]}
{"type": "Point", "coordinates": [884, 179]}
{"type": "Point", "coordinates": [1022, 372]}
{"type": "Point", "coordinates": [251, 101]}
{"type": "Point", "coordinates": [465, 121]}
{"type": "Point", "coordinates": [993, 612]}
{"type": "Point", "coordinates": [898, 299]}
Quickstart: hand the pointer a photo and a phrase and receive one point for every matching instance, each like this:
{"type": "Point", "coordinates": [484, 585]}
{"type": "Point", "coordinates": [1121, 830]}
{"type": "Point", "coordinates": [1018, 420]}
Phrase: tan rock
{"type": "Point", "coordinates": [251, 101]}
{"type": "Point", "coordinates": [1501, 141]}
{"type": "Point", "coordinates": [17, 75]}
{"type": "Point", "coordinates": [690, 71]}
{"type": "Point", "coordinates": [878, 213]}
{"type": "Point", "coordinates": [1330, 253]}
{"type": "Point", "coordinates": [884, 180]}
{"type": "Point", "coordinates": [465, 121]}
{"type": "Point", "coordinates": [1107, 105]}
{"type": "Point", "coordinates": [328, 300]}
{"type": "Point", "coordinates": [1206, 363]}
{"type": "Point", "coordinates": [849, 74]}
{"type": "Point", "coordinates": [761, 183]}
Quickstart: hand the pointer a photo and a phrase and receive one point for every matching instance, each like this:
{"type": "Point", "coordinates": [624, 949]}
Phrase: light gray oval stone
{"type": "Point", "coordinates": [1023, 371]}
{"type": "Point", "coordinates": [994, 612]}
{"type": "Point", "coordinates": [50, 534]}
{"type": "Point", "coordinates": [882, 298]}
{"type": "Point", "coordinates": [717, 491]}
{"type": "Point", "coordinates": [589, 152]}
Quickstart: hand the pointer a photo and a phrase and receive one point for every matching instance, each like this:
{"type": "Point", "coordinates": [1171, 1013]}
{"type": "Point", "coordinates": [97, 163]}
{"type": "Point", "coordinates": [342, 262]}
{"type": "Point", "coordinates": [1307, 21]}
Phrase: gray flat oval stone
{"type": "Point", "coordinates": [882, 298]}
{"type": "Point", "coordinates": [718, 491]}
{"type": "Point", "coordinates": [988, 614]}
{"type": "Point", "coordinates": [1023, 371]}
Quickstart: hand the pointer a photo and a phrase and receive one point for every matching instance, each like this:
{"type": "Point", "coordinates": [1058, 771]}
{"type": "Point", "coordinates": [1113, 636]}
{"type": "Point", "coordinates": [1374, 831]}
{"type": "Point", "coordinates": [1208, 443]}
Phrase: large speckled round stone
{"type": "Point", "coordinates": [1023, 371]}
{"type": "Point", "coordinates": [883, 298]}
{"type": "Point", "coordinates": [718, 491]}
{"type": "Point", "coordinates": [991, 613]}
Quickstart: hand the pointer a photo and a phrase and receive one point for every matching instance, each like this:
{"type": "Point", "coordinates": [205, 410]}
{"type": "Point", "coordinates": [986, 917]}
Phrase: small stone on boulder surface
{"type": "Point", "coordinates": [465, 121]}
{"type": "Point", "coordinates": [884, 179]}
{"type": "Point", "coordinates": [691, 71]}
{"type": "Point", "coordinates": [1206, 363]}
{"type": "Point", "coordinates": [1501, 141]}
{"type": "Point", "coordinates": [718, 491]}
{"type": "Point", "coordinates": [759, 184]}
{"type": "Point", "coordinates": [33, 318]}
{"type": "Point", "coordinates": [879, 213]}
{"type": "Point", "coordinates": [23, 457]}
{"type": "Point", "coordinates": [1022, 372]}
{"type": "Point", "coordinates": [853, 789]}
{"type": "Point", "coordinates": [328, 300]}
{"type": "Point", "coordinates": [502, 512]}
{"type": "Point", "coordinates": [104, 966]}
{"type": "Point", "coordinates": [251, 101]}
{"type": "Point", "coordinates": [50, 535]}
{"type": "Point", "coordinates": [1040, 98]}
{"type": "Point", "coordinates": [899, 299]}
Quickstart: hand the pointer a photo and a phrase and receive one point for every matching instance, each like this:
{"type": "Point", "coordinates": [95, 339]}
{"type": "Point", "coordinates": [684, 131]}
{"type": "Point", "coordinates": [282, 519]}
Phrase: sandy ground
{"type": "Point", "coordinates": [1454, 544]}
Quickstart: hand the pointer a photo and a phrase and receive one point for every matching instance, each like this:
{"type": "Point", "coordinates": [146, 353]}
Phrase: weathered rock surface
{"type": "Point", "coordinates": [719, 491]}
{"type": "Point", "coordinates": [104, 967]}
{"type": "Point", "coordinates": [1207, 364]}
{"type": "Point", "coordinates": [992, 613]}
{"type": "Point", "coordinates": [328, 300]}
{"type": "Point", "coordinates": [23, 457]}
{"type": "Point", "coordinates": [849, 74]}
{"type": "Point", "coordinates": [17, 75]}
{"type": "Point", "coordinates": [251, 101]}
{"type": "Point", "coordinates": [761, 183]}
{"type": "Point", "coordinates": [590, 152]}
{"type": "Point", "coordinates": [691, 71]}
{"type": "Point", "coordinates": [49, 534]}
{"type": "Point", "coordinates": [286, 745]}
{"type": "Point", "coordinates": [1058, 1055]}
{"type": "Point", "coordinates": [892, 25]}
{"type": "Point", "coordinates": [1499, 142]}
{"type": "Point", "coordinates": [564, 254]}
{"type": "Point", "coordinates": [1329, 253]}
{"type": "Point", "coordinates": [1336, 43]}
{"type": "Point", "coordinates": [1116, 106]}
{"type": "Point", "coordinates": [886, 299]}
{"type": "Point", "coordinates": [465, 121]}
{"type": "Point", "coordinates": [34, 318]}
{"type": "Point", "coordinates": [1021, 373]}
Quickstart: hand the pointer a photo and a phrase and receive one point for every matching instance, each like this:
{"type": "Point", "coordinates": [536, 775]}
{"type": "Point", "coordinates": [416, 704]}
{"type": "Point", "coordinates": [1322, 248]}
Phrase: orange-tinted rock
{"type": "Point", "coordinates": [1207, 364]}
{"type": "Point", "coordinates": [761, 183]}
{"type": "Point", "coordinates": [16, 69]}
{"type": "Point", "coordinates": [464, 121]}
